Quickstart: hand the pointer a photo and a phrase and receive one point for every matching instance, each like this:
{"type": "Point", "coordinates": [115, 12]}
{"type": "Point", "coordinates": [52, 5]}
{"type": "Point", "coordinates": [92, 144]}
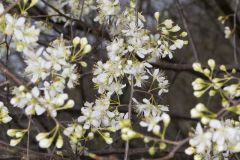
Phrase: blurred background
{"type": "Point", "coordinates": [207, 40]}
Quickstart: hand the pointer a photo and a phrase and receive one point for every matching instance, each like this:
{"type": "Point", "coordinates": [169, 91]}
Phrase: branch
{"type": "Point", "coordinates": [22, 152]}
{"type": "Point", "coordinates": [132, 151]}
{"type": "Point", "coordinates": [175, 149]}
{"type": "Point", "coordinates": [188, 67]}
{"type": "Point", "coordinates": [234, 35]}
{"type": "Point", "coordinates": [9, 8]}
{"type": "Point", "coordinates": [10, 75]}
{"type": "Point", "coordinates": [129, 116]}
{"type": "Point", "coordinates": [194, 48]}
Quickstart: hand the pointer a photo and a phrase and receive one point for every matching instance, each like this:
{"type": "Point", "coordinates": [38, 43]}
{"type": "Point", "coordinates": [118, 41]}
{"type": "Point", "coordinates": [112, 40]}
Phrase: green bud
{"type": "Point", "coordinates": [212, 93]}
{"type": "Point", "coordinates": [197, 67]}
{"type": "Point", "coordinates": [162, 146]}
{"type": "Point", "coordinates": [223, 68]}
{"type": "Point", "coordinates": [152, 151]}
{"type": "Point", "coordinates": [157, 16]}
{"type": "Point", "coordinates": [211, 64]}
{"type": "Point", "coordinates": [14, 142]}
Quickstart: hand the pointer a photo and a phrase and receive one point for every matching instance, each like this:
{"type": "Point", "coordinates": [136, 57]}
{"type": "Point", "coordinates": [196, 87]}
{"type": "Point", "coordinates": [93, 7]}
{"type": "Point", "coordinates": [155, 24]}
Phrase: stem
{"type": "Point", "coordinates": [234, 35]}
{"type": "Point", "coordinates": [28, 138]}
{"type": "Point", "coordinates": [129, 116]}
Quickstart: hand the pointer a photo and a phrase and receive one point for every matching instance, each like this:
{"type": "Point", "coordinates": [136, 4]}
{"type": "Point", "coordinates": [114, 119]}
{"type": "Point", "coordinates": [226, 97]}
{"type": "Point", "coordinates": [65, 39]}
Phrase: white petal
{"type": "Point", "coordinates": [39, 110]}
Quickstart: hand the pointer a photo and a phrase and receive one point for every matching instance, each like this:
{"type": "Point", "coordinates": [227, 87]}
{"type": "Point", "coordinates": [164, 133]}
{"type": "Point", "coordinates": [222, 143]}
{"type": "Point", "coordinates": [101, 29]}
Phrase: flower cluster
{"type": "Point", "coordinates": [201, 111]}
{"type": "Point", "coordinates": [17, 135]}
{"type": "Point", "coordinates": [54, 68]}
{"type": "Point", "coordinates": [152, 115]}
{"type": "Point", "coordinates": [34, 103]}
{"type": "Point", "coordinates": [107, 9]}
{"type": "Point", "coordinates": [130, 51]}
{"type": "Point", "coordinates": [221, 139]}
{"type": "Point", "coordinates": [45, 139]}
{"type": "Point", "coordinates": [99, 115]}
{"type": "Point", "coordinates": [50, 69]}
{"type": "Point", "coordinates": [223, 83]}
{"type": "Point", "coordinates": [24, 35]}
{"type": "Point", "coordinates": [76, 133]}
{"type": "Point", "coordinates": [218, 138]}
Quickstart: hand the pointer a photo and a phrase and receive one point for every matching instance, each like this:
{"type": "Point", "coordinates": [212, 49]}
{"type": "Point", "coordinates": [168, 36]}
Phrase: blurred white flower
{"type": "Point", "coordinates": [4, 114]}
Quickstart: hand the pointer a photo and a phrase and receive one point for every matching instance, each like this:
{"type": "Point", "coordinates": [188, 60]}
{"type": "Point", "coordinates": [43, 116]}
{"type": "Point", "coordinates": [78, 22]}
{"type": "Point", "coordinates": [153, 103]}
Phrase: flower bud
{"type": "Point", "coordinates": [76, 41]}
{"type": "Point", "coordinates": [206, 72]}
{"type": "Point", "coordinates": [59, 142]}
{"type": "Point", "coordinates": [197, 157]}
{"type": "Point", "coordinates": [19, 134]}
{"type": "Point", "coordinates": [211, 64]}
{"type": "Point", "coordinates": [175, 29]}
{"type": "Point", "coordinates": [109, 140]}
{"type": "Point", "coordinates": [198, 93]}
{"type": "Point", "coordinates": [45, 143]}
{"type": "Point", "coordinates": [69, 104]}
{"type": "Point", "coordinates": [90, 135]}
{"type": "Point", "coordinates": [189, 150]}
{"type": "Point", "coordinates": [14, 142]}
{"type": "Point", "coordinates": [223, 68]}
{"type": "Point", "coordinates": [87, 49]}
{"type": "Point", "coordinates": [168, 23]}
{"type": "Point", "coordinates": [166, 119]}
{"type": "Point", "coordinates": [212, 93]}
{"type": "Point", "coordinates": [201, 107]}
{"type": "Point", "coordinates": [179, 43]}
{"type": "Point", "coordinates": [41, 136]}
{"type": "Point", "coordinates": [84, 64]}
{"type": "Point", "coordinates": [83, 42]}
{"type": "Point", "coordinates": [205, 120]}
{"type": "Point", "coordinates": [146, 140]}
{"type": "Point", "coordinates": [234, 71]}
{"type": "Point", "coordinates": [21, 88]}
{"type": "Point", "coordinates": [197, 67]}
{"type": "Point", "coordinates": [11, 132]}
{"type": "Point", "coordinates": [157, 16]}
{"type": "Point", "coordinates": [183, 34]}
{"type": "Point", "coordinates": [151, 150]}
{"type": "Point", "coordinates": [195, 113]}
{"type": "Point", "coordinates": [6, 119]}
{"type": "Point", "coordinates": [33, 2]}
{"type": "Point", "coordinates": [162, 146]}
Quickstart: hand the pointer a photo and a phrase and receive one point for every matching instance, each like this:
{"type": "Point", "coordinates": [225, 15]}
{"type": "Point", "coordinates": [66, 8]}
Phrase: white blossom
{"type": "Point", "coordinates": [201, 140]}
{"type": "Point", "coordinates": [4, 114]}
{"type": "Point", "coordinates": [152, 123]}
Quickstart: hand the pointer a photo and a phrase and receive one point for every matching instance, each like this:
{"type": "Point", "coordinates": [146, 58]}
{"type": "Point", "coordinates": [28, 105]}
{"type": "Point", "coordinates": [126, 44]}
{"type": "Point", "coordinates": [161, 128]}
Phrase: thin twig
{"type": "Point", "coordinates": [132, 151]}
{"type": "Point", "coordinates": [82, 7]}
{"type": "Point", "coordinates": [6, 63]}
{"type": "Point", "coordinates": [9, 74]}
{"type": "Point", "coordinates": [175, 149]}
{"type": "Point", "coordinates": [129, 116]}
{"type": "Point", "coordinates": [21, 152]}
{"type": "Point", "coordinates": [28, 138]}
{"type": "Point", "coordinates": [234, 35]}
{"type": "Point", "coordinates": [188, 67]}
{"type": "Point", "coordinates": [194, 48]}
{"type": "Point", "coordinates": [131, 91]}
